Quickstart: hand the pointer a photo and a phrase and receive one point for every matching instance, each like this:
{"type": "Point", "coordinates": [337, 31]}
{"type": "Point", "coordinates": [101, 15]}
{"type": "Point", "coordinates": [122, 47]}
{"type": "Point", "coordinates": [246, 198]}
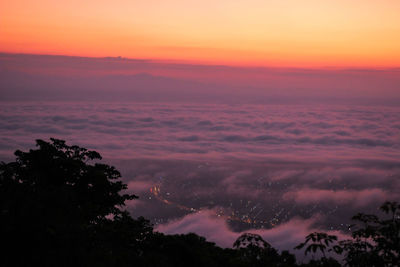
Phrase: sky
{"type": "Point", "coordinates": [64, 78]}
{"type": "Point", "coordinates": [274, 117]}
{"type": "Point", "coordinates": [277, 33]}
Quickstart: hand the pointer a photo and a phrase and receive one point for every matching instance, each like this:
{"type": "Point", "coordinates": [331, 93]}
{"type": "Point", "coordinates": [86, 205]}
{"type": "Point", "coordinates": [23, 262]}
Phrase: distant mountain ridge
{"type": "Point", "coordinates": [64, 78]}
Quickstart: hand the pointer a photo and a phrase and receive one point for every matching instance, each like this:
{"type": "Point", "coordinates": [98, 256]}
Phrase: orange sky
{"type": "Point", "coordinates": [308, 33]}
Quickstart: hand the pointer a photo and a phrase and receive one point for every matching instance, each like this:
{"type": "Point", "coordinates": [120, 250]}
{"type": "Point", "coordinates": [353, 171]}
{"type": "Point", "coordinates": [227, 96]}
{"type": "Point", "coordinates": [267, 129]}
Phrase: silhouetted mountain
{"type": "Point", "coordinates": [44, 77]}
{"type": "Point", "coordinates": [139, 87]}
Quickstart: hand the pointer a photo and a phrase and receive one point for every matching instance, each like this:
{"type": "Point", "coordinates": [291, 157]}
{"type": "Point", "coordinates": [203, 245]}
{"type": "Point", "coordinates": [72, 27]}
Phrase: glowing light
{"type": "Point", "coordinates": [251, 32]}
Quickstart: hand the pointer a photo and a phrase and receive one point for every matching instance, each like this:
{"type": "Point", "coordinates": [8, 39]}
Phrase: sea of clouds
{"type": "Point", "coordinates": [131, 130]}
{"type": "Point", "coordinates": [306, 167]}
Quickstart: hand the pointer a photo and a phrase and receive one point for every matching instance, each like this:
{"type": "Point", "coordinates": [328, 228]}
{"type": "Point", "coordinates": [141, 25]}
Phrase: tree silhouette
{"type": "Point", "coordinates": [255, 251]}
{"type": "Point", "coordinates": [375, 241]}
{"type": "Point", "coordinates": [319, 242]}
{"type": "Point", "coordinates": [53, 200]}
{"type": "Point", "coordinates": [60, 207]}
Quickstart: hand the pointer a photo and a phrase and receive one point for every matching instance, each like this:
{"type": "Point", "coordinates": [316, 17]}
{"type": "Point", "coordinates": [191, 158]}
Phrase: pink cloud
{"type": "Point", "coordinates": [205, 223]}
{"type": "Point", "coordinates": [355, 198]}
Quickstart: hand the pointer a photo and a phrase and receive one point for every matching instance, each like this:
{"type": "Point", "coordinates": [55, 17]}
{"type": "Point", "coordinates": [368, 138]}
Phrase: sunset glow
{"type": "Point", "coordinates": [240, 132]}
{"type": "Point", "coordinates": [312, 33]}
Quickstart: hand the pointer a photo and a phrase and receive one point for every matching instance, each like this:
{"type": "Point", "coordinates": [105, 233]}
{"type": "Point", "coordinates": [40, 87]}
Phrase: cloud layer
{"type": "Point", "coordinates": [219, 170]}
{"type": "Point", "coordinates": [283, 237]}
{"type": "Point", "coordinates": [133, 130]}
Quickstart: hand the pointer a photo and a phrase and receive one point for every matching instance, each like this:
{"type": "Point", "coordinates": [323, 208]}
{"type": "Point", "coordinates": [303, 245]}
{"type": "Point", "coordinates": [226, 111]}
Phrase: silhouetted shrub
{"type": "Point", "coordinates": [56, 202]}
{"type": "Point", "coordinates": [375, 241]}
{"type": "Point", "coordinates": [60, 207]}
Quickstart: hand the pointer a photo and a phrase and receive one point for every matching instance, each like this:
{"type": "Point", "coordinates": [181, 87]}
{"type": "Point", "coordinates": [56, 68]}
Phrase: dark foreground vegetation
{"type": "Point", "coordinates": [61, 207]}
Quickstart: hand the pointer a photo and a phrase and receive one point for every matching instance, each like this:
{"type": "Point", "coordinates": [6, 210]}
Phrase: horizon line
{"type": "Point", "coordinates": [203, 63]}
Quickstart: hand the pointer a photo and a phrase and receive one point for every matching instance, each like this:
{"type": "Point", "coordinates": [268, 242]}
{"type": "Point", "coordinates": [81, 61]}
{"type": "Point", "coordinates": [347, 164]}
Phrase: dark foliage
{"type": "Point", "coordinates": [375, 241]}
{"type": "Point", "coordinates": [54, 203]}
{"type": "Point", "coordinates": [60, 207]}
{"type": "Point", "coordinates": [255, 251]}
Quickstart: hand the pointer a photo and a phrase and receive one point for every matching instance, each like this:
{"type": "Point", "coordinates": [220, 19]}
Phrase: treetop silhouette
{"type": "Point", "coordinates": [56, 197]}
{"type": "Point", "coordinates": [59, 206]}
